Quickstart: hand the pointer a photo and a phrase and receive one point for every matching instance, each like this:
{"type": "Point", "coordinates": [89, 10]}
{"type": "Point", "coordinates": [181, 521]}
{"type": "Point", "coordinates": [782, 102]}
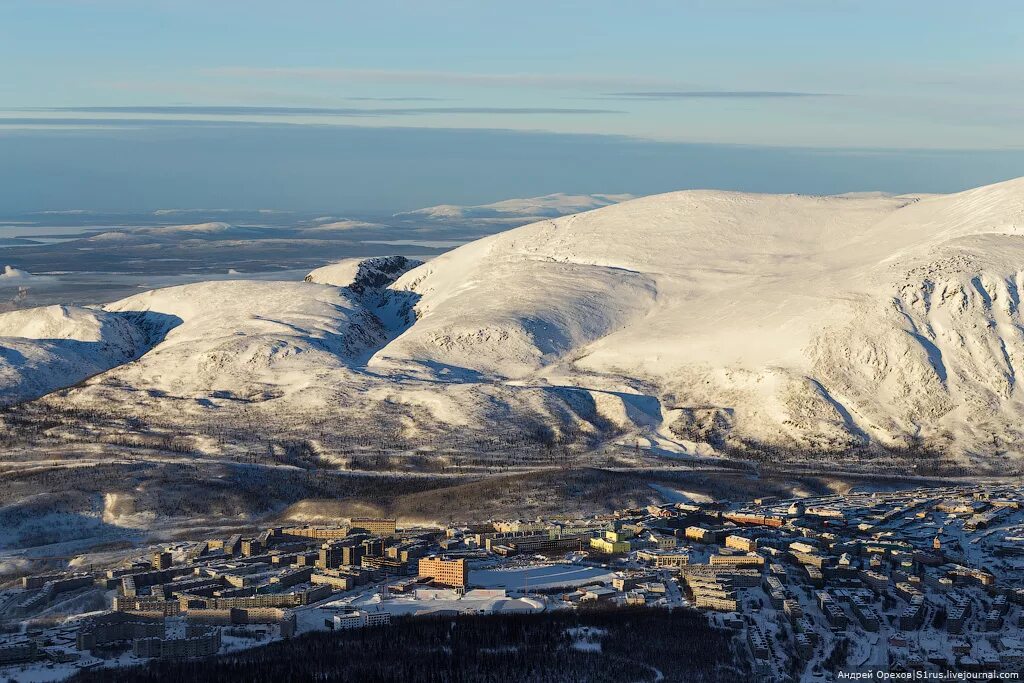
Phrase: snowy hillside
{"type": "Point", "coordinates": [697, 321]}
{"type": "Point", "coordinates": [245, 339]}
{"type": "Point", "coordinates": [550, 205]}
{"type": "Point", "coordinates": [798, 322]}
{"type": "Point", "coordinates": [360, 275]}
{"type": "Point", "coordinates": [48, 348]}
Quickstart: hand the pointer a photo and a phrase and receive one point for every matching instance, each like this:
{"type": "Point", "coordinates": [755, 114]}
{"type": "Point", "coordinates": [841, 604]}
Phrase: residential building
{"type": "Point", "coordinates": [445, 572]}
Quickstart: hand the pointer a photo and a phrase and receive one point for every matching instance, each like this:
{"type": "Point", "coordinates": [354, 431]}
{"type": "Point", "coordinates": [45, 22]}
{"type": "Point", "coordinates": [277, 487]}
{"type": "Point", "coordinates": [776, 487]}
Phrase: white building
{"type": "Point", "coordinates": [359, 619]}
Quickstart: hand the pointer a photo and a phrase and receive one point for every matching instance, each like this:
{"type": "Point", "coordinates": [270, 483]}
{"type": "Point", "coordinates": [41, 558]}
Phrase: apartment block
{"type": "Point", "coordinates": [445, 572]}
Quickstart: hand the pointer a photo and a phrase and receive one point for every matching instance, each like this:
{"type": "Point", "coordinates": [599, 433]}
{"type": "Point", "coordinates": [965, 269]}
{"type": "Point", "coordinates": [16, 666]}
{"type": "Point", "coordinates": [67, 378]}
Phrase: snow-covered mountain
{"type": "Point", "coordinates": [360, 275]}
{"type": "Point", "coordinates": [696, 320]}
{"type": "Point", "coordinates": [43, 349]}
{"type": "Point", "coordinates": [245, 338]}
{"type": "Point", "coordinates": [802, 322]}
{"type": "Point", "coordinates": [547, 206]}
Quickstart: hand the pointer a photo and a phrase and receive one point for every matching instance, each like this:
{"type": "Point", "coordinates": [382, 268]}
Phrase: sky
{"type": "Point", "coordinates": [120, 104]}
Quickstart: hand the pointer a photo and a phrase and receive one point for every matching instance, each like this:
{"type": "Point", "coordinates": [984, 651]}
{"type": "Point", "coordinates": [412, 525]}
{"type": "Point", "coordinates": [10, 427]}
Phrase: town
{"type": "Point", "coordinates": [917, 580]}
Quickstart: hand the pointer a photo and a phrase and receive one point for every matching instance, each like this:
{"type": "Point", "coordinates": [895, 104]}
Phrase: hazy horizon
{"type": "Point", "coordinates": [388, 170]}
{"type": "Point", "coordinates": [398, 105]}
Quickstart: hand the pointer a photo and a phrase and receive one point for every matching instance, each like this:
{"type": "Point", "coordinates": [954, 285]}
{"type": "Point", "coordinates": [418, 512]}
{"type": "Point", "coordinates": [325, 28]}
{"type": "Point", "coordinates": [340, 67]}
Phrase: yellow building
{"type": "Point", "coordinates": [618, 536]}
{"type": "Point", "coordinates": [666, 542]}
{"type": "Point", "coordinates": [608, 546]}
{"type": "Point", "coordinates": [743, 543]}
{"type": "Point", "coordinates": [377, 526]}
{"type": "Point", "coordinates": [736, 560]}
{"type": "Point", "coordinates": [444, 572]}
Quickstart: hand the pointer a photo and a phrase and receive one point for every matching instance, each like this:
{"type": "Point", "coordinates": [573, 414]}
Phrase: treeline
{"type": "Point", "coordinates": [253, 435]}
{"type": "Point", "coordinates": [916, 459]}
{"type": "Point", "coordinates": [623, 644]}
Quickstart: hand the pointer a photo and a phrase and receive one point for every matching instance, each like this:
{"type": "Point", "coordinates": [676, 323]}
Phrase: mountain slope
{"type": "Point", "coordinates": [48, 348]}
{"type": "Point", "coordinates": [245, 339]}
{"type": "Point", "coordinates": [797, 322]}
{"type": "Point", "coordinates": [694, 321]}
{"type": "Point", "coordinates": [361, 275]}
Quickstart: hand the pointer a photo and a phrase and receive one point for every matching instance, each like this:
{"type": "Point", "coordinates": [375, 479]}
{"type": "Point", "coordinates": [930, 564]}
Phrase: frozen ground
{"type": "Point", "coordinates": [539, 577]}
{"type": "Point", "coordinates": [432, 600]}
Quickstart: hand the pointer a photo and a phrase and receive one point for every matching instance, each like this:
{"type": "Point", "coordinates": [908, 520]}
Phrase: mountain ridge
{"type": "Point", "coordinates": [698, 322]}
